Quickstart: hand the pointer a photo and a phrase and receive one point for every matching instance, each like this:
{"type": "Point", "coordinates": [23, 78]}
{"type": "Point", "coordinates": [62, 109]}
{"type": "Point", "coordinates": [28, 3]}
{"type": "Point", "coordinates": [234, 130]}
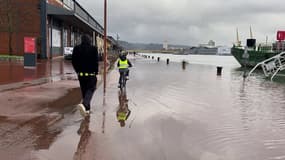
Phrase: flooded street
{"type": "Point", "coordinates": [190, 114]}
{"type": "Point", "coordinates": [206, 80]}
{"type": "Point", "coordinates": [174, 113]}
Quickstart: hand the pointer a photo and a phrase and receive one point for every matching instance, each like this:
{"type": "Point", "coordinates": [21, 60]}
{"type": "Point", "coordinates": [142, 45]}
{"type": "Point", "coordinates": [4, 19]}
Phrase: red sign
{"type": "Point", "coordinates": [29, 45]}
{"type": "Point", "coordinates": [281, 35]}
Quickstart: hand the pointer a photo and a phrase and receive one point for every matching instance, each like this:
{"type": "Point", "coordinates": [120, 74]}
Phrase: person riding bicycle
{"type": "Point", "coordinates": [123, 65]}
{"type": "Point", "coordinates": [123, 114]}
{"type": "Point", "coordinates": [123, 111]}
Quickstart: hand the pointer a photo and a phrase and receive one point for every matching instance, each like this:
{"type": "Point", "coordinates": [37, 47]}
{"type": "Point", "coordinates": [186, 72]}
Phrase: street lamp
{"type": "Point", "coordinates": [105, 44]}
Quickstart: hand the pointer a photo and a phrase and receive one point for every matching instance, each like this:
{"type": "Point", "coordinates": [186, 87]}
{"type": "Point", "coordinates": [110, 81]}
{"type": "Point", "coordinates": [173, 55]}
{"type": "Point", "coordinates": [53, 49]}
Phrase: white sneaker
{"type": "Point", "coordinates": [88, 113]}
{"type": "Point", "coordinates": [82, 109]}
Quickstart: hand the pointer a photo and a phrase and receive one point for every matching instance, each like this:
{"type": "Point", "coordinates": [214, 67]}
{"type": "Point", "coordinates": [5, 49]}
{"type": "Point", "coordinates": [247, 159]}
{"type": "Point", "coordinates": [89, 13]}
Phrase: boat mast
{"type": "Point", "coordinates": [238, 41]}
{"type": "Point", "coordinates": [251, 36]}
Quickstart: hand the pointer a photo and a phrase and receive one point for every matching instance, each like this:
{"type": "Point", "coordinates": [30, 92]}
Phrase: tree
{"type": "Point", "coordinates": [7, 21]}
{"type": "Point", "coordinates": [10, 24]}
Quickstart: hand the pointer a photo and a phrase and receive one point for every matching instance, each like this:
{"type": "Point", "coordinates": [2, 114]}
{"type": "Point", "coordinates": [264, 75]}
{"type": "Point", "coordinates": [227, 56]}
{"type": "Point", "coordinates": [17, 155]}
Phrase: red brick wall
{"type": "Point", "coordinates": [25, 21]}
{"type": "Point", "coordinates": [3, 42]}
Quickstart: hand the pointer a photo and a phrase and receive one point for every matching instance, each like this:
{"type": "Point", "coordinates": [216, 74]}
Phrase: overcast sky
{"type": "Point", "coordinates": [190, 22]}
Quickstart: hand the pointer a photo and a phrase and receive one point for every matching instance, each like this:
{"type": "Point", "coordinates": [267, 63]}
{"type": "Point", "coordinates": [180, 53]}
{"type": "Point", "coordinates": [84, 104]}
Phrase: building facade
{"type": "Point", "coordinates": [165, 45]}
{"type": "Point", "coordinates": [54, 23]}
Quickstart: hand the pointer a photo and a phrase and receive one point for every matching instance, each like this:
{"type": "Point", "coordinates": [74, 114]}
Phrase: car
{"type": "Point", "coordinates": [68, 52]}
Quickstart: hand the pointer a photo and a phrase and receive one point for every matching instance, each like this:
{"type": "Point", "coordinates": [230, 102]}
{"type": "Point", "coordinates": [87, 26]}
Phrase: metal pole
{"type": "Point", "coordinates": [43, 29]}
{"type": "Point", "coordinates": [105, 44]}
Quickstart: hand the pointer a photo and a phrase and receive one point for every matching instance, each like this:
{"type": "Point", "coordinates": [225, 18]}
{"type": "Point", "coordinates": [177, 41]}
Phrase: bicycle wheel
{"type": "Point", "coordinates": [123, 81]}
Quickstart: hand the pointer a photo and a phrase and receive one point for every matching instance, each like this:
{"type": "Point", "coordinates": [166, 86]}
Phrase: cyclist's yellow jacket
{"type": "Point", "coordinates": [122, 116]}
{"type": "Point", "coordinates": [123, 64]}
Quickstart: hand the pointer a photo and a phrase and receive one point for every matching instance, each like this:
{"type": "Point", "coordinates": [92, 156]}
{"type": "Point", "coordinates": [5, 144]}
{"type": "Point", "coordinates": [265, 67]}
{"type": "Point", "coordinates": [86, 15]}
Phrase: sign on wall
{"type": "Point", "coordinates": [29, 45]}
{"type": "Point", "coordinates": [281, 35]}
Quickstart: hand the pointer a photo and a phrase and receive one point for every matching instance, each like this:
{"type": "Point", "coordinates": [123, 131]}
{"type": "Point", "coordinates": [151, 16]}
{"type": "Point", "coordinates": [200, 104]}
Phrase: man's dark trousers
{"type": "Point", "coordinates": [88, 86]}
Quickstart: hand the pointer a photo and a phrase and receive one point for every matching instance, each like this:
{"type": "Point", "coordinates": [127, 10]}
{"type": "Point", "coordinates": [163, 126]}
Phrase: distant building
{"type": "Point", "coordinates": [203, 45]}
{"type": "Point", "coordinates": [165, 45]}
{"type": "Point", "coordinates": [201, 50]}
{"type": "Point", "coordinates": [224, 50]}
{"type": "Point", "coordinates": [211, 43]}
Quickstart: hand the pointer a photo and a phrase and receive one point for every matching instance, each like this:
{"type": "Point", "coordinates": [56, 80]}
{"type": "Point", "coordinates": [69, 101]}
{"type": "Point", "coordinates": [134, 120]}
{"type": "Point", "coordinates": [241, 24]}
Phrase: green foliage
{"type": "Point", "coordinates": [11, 57]}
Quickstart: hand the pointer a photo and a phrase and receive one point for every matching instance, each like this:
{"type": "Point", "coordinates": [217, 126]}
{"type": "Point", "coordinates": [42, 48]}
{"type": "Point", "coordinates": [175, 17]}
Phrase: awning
{"type": "Point", "coordinates": [53, 10]}
{"type": "Point", "coordinates": [70, 17]}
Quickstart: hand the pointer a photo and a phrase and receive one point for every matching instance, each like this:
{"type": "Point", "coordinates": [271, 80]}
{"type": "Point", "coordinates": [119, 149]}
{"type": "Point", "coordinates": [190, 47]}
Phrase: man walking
{"type": "Point", "coordinates": [85, 64]}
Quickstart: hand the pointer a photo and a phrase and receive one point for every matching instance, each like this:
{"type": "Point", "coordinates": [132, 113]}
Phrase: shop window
{"type": "Point", "coordinates": [56, 38]}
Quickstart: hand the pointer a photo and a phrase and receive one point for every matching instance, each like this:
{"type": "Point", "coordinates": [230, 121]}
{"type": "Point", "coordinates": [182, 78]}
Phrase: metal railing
{"type": "Point", "coordinates": [271, 66]}
{"type": "Point", "coordinates": [73, 5]}
{"type": "Point", "coordinates": [69, 4]}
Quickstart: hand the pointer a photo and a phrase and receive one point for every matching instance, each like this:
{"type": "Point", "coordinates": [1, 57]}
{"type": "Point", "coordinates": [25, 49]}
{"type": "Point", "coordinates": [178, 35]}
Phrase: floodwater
{"type": "Point", "coordinates": [175, 112]}
{"type": "Point", "coordinates": [191, 113]}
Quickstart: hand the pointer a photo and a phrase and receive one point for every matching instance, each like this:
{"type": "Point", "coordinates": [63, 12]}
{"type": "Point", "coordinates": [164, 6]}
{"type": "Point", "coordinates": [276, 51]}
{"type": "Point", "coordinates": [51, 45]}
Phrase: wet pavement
{"type": "Point", "coordinates": [174, 113]}
{"type": "Point", "coordinates": [15, 75]}
{"type": "Point", "coordinates": [14, 71]}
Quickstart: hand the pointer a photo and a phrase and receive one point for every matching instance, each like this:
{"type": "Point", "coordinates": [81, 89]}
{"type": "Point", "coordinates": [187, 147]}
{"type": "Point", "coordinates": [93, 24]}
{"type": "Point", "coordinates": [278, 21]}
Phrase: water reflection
{"type": "Point", "coordinates": [226, 116]}
{"type": "Point", "coordinates": [123, 111]}
{"type": "Point", "coordinates": [184, 64]}
{"type": "Point", "coordinates": [15, 72]}
{"type": "Point", "coordinates": [244, 105]}
{"type": "Point", "coordinates": [84, 139]}
{"type": "Point", "coordinates": [25, 133]}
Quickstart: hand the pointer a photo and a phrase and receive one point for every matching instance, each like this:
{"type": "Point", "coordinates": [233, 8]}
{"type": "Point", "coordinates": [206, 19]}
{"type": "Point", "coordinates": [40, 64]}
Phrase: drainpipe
{"type": "Point", "coordinates": [43, 39]}
{"type": "Point", "coordinates": [51, 46]}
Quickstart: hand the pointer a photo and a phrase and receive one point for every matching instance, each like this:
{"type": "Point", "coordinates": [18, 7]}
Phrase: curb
{"type": "Point", "coordinates": [18, 85]}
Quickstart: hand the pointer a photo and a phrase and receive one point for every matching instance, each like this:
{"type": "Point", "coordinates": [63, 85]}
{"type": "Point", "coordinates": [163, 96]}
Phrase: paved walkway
{"type": "Point", "coordinates": [32, 100]}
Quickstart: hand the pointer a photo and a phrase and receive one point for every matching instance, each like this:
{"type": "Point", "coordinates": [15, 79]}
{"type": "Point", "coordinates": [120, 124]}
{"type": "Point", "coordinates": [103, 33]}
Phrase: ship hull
{"type": "Point", "coordinates": [254, 56]}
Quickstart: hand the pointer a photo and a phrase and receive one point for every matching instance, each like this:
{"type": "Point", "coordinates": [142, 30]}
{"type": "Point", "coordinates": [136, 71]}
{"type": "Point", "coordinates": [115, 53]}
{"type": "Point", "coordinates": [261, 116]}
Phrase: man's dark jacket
{"type": "Point", "coordinates": [85, 58]}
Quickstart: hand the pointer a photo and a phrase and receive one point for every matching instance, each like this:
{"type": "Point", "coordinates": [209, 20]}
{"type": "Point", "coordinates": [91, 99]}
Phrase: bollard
{"type": "Point", "coordinates": [152, 57]}
{"type": "Point", "coordinates": [183, 64]}
{"type": "Point", "coordinates": [219, 70]}
{"type": "Point", "coordinates": [167, 61]}
{"type": "Point", "coordinates": [158, 58]}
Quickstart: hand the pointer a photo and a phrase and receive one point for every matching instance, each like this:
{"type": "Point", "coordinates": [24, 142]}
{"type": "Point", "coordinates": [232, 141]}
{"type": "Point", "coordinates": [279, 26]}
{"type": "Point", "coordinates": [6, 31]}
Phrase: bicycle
{"type": "Point", "coordinates": [123, 80]}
